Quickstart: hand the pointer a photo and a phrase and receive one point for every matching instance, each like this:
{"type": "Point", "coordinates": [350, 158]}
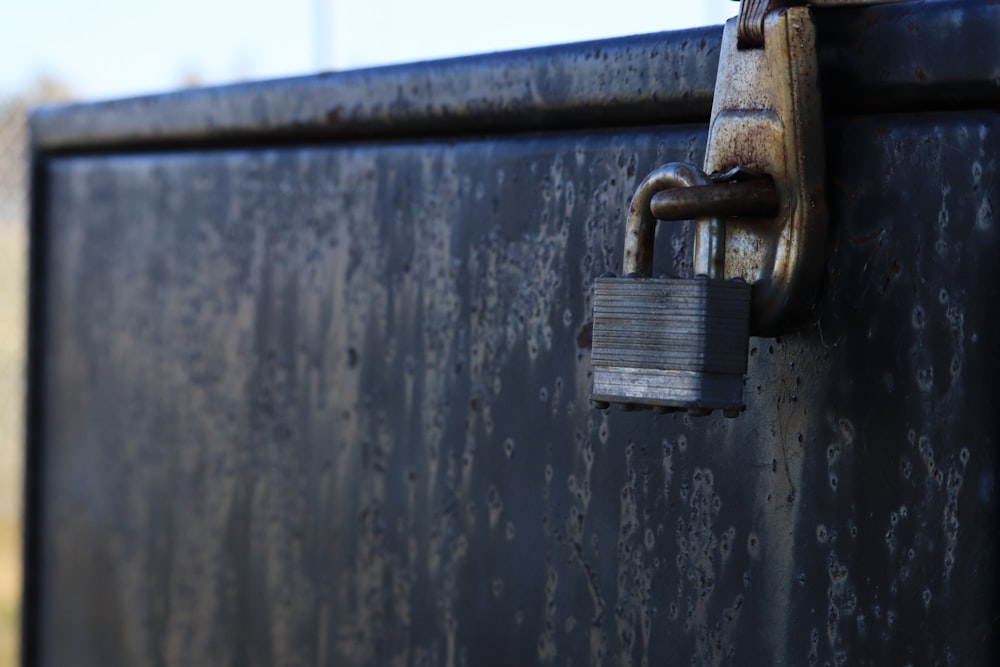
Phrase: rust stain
{"type": "Point", "coordinates": [890, 276]}
{"type": "Point", "coordinates": [585, 337]}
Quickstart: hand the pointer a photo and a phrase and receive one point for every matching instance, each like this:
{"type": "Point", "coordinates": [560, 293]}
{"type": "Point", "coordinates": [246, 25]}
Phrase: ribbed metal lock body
{"type": "Point", "coordinates": [675, 343]}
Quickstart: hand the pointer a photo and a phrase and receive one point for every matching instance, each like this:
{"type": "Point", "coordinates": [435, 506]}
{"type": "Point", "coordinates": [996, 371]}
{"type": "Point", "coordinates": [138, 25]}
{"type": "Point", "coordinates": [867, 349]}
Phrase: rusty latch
{"type": "Point", "coordinates": [766, 120]}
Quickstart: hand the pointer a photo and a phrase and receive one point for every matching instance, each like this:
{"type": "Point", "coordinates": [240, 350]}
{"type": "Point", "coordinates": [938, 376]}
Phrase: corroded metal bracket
{"type": "Point", "coordinates": [766, 117]}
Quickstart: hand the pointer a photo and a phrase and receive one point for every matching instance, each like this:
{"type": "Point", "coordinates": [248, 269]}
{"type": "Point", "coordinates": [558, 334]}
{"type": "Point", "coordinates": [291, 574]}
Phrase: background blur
{"type": "Point", "coordinates": [59, 51]}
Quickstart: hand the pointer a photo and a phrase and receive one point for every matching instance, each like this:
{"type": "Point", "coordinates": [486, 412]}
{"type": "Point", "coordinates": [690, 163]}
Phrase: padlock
{"type": "Point", "coordinates": [670, 343]}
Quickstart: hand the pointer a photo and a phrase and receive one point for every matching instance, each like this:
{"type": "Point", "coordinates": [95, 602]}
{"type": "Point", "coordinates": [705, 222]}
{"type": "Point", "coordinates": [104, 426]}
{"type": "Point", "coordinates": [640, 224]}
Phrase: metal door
{"type": "Point", "coordinates": [309, 372]}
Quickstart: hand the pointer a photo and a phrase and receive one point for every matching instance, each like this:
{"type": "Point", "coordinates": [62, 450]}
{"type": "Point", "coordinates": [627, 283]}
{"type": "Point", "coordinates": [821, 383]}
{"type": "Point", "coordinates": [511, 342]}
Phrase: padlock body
{"type": "Point", "coordinates": [670, 342]}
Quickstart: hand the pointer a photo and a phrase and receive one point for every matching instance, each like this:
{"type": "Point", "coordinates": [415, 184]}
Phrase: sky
{"type": "Point", "coordinates": [119, 48]}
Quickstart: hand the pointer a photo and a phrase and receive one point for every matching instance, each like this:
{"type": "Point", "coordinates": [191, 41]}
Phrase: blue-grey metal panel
{"type": "Point", "coordinates": [329, 406]}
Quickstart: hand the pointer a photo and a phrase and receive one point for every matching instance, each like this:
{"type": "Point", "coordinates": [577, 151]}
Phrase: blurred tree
{"type": "Point", "coordinates": [191, 79]}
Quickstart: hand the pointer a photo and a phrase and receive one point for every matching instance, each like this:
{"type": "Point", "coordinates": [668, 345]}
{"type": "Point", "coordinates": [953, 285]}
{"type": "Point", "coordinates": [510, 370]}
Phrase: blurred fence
{"type": "Point", "coordinates": [13, 161]}
{"type": "Point", "coordinates": [13, 246]}
{"type": "Point", "coordinates": [13, 214]}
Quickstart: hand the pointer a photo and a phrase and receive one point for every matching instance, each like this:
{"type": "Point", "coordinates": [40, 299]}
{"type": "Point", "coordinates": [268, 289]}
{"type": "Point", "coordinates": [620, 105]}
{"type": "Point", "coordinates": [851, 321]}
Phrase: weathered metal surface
{"type": "Point", "coordinates": [608, 82]}
{"type": "Point", "coordinates": [909, 56]}
{"type": "Point", "coordinates": [908, 454]}
{"type": "Point", "coordinates": [328, 404]}
{"type": "Point", "coordinates": [274, 438]}
{"type": "Point", "coordinates": [887, 57]}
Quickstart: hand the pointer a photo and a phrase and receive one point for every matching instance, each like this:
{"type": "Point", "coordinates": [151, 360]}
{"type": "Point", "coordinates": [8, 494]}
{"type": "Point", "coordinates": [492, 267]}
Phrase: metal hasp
{"type": "Point", "coordinates": [766, 117]}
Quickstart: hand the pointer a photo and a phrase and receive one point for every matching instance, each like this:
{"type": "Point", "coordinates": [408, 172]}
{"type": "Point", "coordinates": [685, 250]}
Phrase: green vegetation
{"type": "Point", "coordinates": [12, 289]}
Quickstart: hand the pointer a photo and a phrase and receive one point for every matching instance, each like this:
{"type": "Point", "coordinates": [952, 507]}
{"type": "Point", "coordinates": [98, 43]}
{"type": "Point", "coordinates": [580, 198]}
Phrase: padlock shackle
{"type": "Point", "coordinates": [640, 227]}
